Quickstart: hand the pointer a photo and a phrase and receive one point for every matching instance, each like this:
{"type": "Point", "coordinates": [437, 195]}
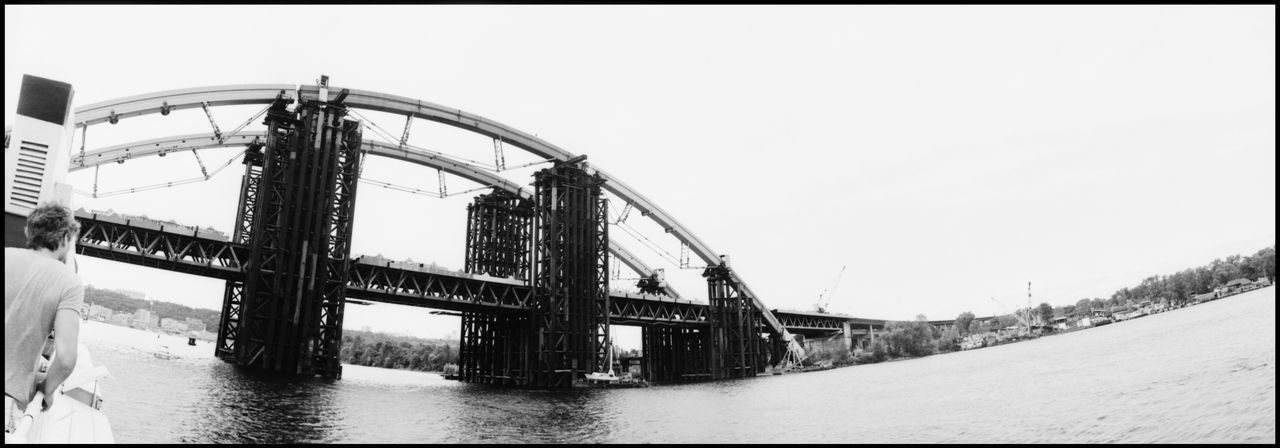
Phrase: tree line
{"type": "Point", "coordinates": [371, 349]}
{"type": "Point", "coordinates": [1181, 286]}
{"type": "Point", "coordinates": [918, 338]}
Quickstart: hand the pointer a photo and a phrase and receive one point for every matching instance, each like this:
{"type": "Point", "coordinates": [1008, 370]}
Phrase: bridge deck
{"type": "Point", "coordinates": [193, 251]}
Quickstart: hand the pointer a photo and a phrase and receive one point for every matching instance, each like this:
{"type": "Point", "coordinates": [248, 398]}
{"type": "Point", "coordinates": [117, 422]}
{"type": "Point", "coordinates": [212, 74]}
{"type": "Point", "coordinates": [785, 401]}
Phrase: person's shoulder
{"type": "Point", "coordinates": [62, 271]}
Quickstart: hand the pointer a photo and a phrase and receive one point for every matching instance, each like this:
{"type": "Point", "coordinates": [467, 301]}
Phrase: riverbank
{"type": "Point", "coordinates": [159, 344]}
{"type": "Point", "coordinates": [865, 358]}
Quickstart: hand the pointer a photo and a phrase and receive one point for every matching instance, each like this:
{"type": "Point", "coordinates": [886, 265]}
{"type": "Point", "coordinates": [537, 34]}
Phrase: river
{"type": "Point", "coordinates": [1202, 374]}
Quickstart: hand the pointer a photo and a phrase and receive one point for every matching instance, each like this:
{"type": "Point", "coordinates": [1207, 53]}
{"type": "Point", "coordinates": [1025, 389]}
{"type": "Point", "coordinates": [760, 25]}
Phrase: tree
{"type": "Point", "coordinates": [1046, 312]}
{"type": "Point", "coordinates": [1098, 304]}
{"type": "Point", "coordinates": [1083, 306]}
{"type": "Point", "coordinates": [963, 321]}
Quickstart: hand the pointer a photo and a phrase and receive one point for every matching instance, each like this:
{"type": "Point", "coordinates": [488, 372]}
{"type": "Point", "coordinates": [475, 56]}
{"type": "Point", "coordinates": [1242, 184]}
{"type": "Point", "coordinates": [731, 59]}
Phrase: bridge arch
{"type": "Point", "coordinates": [165, 145]}
{"type": "Point", "coordinates": [165, 101]}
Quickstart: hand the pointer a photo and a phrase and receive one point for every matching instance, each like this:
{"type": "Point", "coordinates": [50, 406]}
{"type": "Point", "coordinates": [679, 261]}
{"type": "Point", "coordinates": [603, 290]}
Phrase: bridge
{"type": "Point", "coordinates": [534, 296]}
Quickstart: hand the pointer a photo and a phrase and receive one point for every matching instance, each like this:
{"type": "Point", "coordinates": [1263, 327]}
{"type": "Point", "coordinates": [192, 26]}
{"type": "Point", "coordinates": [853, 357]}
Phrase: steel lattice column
{"type": "Point", "coordinates": [570, 275]}
{"type": "Point", "coordinates": [495, 347]}
{"type": "Point", "coordinates": [234, 290]}
{"type": "Point", "coordinates": [734, 345]}
{"type": "Point", "coordinates": [299, 232]}
{"type": "Point", "coordinates": [673, 354]}
{"type": "Point", "coordinates": [498, 238]}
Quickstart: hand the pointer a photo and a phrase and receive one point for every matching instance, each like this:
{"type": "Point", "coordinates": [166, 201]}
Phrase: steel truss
{"type": "Point", "coordinates": [299, 233]}
{"type": "Point", "coordinates": [804, 322]}
{"type": "Point", "coordinates": [381, 283]}
{"type": "Point", "coordinates": [571, 277]}
{"type": "Point", "coordinates": [156, 246]}
{"type": "Point", "coordinates": [736, 349]}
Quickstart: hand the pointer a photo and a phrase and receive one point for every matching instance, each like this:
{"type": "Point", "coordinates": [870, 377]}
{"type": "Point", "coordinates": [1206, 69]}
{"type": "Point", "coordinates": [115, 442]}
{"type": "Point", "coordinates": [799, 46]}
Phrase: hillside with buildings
{"type": "Point", "coordinates": [132, 309]}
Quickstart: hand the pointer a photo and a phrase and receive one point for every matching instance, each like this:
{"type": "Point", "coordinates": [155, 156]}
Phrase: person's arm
{"type": "Point", "coordinates": [66, 324]}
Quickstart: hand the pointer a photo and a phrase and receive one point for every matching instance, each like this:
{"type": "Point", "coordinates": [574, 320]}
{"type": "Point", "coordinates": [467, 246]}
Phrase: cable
{"type": "Point", "coordinates": [389, 138]}
{"type": "Point", "coordinates": [175, 183]}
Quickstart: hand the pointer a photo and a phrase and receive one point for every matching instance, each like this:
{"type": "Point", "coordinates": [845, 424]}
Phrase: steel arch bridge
{"type": "Point", "coordinates": [165, 102]}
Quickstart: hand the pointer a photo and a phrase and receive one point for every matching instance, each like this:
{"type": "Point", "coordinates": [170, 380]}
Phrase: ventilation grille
{"type": "Point", "coordinates": [32, 158]}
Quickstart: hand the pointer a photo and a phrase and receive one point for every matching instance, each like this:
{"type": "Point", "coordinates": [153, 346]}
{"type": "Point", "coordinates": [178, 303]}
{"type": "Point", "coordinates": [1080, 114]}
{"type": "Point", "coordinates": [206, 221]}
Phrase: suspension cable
{"type": "Point", "coordinates": [419, 191]}
{"type": "Point", "coordinates": [246, 123]}
{"type": "Point", "coordinates": [648, 244]}
{"type": "Point", "coordinates": [388, 136]}
{"type": "Point", "coordinates": [647, 239]}
{"type": "Point", "coordinates": [175, 183]}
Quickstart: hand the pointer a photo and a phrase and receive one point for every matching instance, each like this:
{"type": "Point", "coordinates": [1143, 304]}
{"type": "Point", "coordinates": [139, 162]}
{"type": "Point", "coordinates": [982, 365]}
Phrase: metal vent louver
{"type": "Point", "coordinates": [32, 158]}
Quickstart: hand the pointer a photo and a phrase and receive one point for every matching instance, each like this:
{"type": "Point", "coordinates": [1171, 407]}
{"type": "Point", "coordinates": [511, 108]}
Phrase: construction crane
{"type": "Point", "coordinates": [1022, 320]}
{"type": "Point", "coordinates": [824, 299]}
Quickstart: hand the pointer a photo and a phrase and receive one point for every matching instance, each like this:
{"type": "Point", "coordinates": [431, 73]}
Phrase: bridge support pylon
{"type": "Point", "coordinates": [296, 213]}
{"type": "Point", "coordinates": [735, 348]}
{"type": "Point", "coordinates": [673, 354]}
{"type": "Point", "coordinates": [495, 348]}
{"type": "Point", "coordinates": [571, 276]}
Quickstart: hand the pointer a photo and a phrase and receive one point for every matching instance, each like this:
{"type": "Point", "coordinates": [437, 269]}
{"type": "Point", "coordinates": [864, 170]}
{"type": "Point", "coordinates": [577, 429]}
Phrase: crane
{"type": "Point", "coordinates": [1015, 314]}
{"type": "Point", "coordinates": [824, 299]}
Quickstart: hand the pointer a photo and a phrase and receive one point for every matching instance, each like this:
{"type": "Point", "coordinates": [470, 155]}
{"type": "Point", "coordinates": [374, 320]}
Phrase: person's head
{"type": "Point", "coordinates": [54, 228]}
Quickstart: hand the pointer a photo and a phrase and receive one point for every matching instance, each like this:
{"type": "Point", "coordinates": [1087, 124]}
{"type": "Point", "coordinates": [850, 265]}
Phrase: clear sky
{"type": "Point", "coordinates": [945, 154]}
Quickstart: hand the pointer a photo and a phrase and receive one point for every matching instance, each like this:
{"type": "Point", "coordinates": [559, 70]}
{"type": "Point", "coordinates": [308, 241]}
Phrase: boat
{"type": "Point", "coordinates": [604, 377]}
{"type": "Point", "coordinates": [76, 415]}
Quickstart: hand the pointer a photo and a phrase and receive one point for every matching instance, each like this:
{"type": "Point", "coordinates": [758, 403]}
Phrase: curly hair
{"type": "Point", "coordinates": [48, 226]}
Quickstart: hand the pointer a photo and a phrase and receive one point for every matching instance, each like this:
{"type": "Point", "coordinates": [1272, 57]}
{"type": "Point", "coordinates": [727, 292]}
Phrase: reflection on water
{"type": "Point", "coordinates": [242, 407]}
{"type": "Point", "coordinates": [1200, 374]}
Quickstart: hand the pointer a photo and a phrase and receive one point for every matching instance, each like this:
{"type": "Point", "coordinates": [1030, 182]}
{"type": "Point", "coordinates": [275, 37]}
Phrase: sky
{"type": "Point", "coordinates": [946, 155]}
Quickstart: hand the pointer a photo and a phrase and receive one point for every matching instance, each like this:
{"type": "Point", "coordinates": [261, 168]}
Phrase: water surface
{"type": "Point", "coordinates": [1203, 374]}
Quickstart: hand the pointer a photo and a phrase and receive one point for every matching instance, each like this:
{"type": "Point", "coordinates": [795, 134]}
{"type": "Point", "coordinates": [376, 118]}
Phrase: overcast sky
{"type": "Point", "coordinates": [945, 154]}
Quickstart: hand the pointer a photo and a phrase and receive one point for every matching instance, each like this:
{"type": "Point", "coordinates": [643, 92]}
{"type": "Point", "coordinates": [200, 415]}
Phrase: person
{"type": "Point", "coordinates": [42, 295]}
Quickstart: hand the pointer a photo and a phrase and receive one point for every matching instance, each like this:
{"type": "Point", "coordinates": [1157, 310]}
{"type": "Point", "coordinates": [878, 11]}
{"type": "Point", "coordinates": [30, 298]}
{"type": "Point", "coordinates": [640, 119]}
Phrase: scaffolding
{"type": "Point", "coordinates": [296, 216]}
{"type": "Point", "coordinates": [495, 347]}
{"type": "Point", "coordinates": [571, 278]}
{"type": "Point", "coordinates": [736, 348]}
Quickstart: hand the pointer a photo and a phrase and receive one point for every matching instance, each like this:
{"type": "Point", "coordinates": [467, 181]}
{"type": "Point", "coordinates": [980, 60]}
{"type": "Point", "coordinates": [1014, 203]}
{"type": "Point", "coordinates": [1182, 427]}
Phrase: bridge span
{"type": "Point", "coordinates": [198, 253]}
{"type": "Point", "coordinates": [535, 299]}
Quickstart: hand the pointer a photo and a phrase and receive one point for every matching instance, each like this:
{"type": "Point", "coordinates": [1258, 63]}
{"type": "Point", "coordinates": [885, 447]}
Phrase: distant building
{"type": "Point", "coordinates": [172, 325]}
{"type": "Point", "coordinates": [1239, 285]}
{"type": "Point", "coordinates": [121, 319]}
{"type": "Point", "coordinates": [1262, 281]}
{"type": "Point", "coordinates": [1082, 322]}
{"type": "Point", "coordinates": [1059, 323]}
{"type": "Point", "coordinates": [194, 324]}
{"type": "Point", "coordinates": [145, 319]}
{"type": "Point", "coordinates": [140, 319]}
{"type": "Point", "coordinates": [100, 313]}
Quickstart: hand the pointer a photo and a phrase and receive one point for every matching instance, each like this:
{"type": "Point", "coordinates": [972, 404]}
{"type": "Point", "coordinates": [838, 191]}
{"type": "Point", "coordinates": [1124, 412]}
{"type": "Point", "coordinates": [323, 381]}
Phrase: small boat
{"type": "Point", "coordinates": [76, 415]}
{"type": "Point", "coordinates": [604, 377]}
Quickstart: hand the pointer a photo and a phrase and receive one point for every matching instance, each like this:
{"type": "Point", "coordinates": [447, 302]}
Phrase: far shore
{"type": "Point", "coordinates": [175, 346]}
